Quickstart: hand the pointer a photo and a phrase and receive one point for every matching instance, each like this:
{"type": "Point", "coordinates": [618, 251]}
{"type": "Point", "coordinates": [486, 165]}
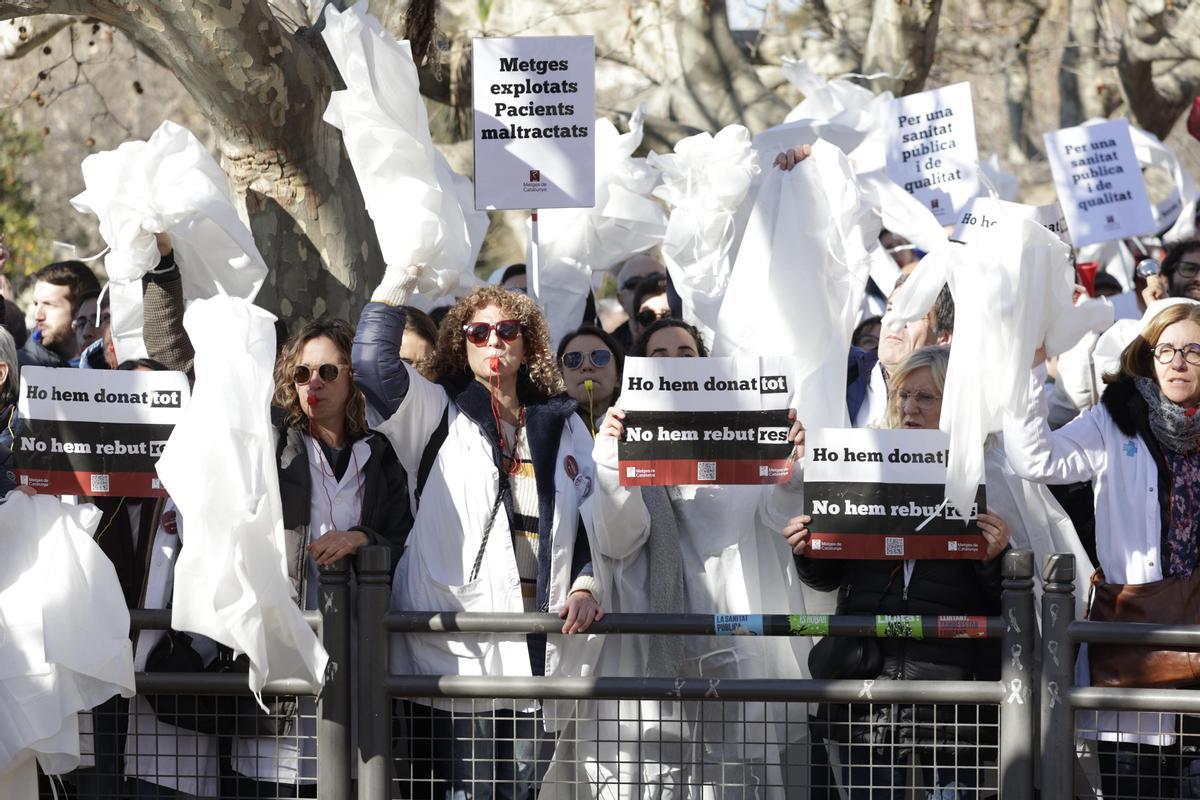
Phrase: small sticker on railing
{"type": "Point", "coordinates": [901, 626]}
{"type": "Point", "coordinates": [808, 624]}
{"type": "Point", "coordinates": [738, 624]}
{"type": "Point", "coordinates": [962, 627]}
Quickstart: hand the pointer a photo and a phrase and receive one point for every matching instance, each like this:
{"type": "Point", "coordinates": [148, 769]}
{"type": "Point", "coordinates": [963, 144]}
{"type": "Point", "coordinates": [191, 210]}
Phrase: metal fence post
{"type": "Point", "coordinates": [374, 704]}
{"type": "Point", "coordinates": [1017, 732]}
{"type": "Point", "coordinates": [1058, 664]}
{"type": "Point", "coordinates": [333, 707]}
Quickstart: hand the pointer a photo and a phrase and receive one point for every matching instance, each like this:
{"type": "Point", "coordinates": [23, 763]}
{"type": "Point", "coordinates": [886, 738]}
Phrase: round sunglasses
{"type": "Point", "coordinates": [302, 374]}
{"type": "Point", "coordinates": [478, 333]}
{"type": "Point", "coordinates": [599, 357]}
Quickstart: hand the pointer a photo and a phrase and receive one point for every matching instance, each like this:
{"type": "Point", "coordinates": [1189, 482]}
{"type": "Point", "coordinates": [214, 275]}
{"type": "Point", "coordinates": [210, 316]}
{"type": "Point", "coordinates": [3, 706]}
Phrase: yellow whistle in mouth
{"type": "Point", "coordinates": [587, 384]}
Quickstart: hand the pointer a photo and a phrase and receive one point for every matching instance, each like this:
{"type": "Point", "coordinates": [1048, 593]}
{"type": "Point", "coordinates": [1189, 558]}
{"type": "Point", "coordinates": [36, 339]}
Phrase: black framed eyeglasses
{"type": "Point", "coordinates": [1165, 353]}
{"type": "Point", "coordinates": [600, 357]}
{"type": "Point", "coordinates": [647, 317]}
{"type": "Point", "coordinates": [302, 373]}
{"type": "Point", "coordinates": [1187, 269]}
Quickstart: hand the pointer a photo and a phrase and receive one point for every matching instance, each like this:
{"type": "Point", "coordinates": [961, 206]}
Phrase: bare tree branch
{"type": "Point", "coordinates": [24, 35]}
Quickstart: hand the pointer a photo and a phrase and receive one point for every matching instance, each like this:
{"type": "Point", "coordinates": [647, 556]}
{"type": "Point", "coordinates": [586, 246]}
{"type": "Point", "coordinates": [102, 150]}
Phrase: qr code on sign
{"type": "Point", "coordinates": [706, 470]}
{"type": "Point", "coordinates": [99, 484]}
{"type": "Point", "coordinates": [893, 546]}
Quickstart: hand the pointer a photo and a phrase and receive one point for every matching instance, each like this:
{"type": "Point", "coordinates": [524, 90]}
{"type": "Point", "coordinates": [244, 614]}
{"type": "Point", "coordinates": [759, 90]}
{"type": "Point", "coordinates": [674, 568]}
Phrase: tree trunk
{"type": "Point", "coordinates": [901, 44]}
{"type": "Point", "coordinates": [264, 91]}
{"type": "Point", "coordinates": [1080, 84]}
{"type": "Point", "coordinates": [1159, 63]}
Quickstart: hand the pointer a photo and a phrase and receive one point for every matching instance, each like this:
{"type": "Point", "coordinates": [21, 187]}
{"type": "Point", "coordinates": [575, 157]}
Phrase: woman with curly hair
{"type": "Point", "coordinates": [501, 465]}
{"type": "Point", "coordinates": [341, 488]}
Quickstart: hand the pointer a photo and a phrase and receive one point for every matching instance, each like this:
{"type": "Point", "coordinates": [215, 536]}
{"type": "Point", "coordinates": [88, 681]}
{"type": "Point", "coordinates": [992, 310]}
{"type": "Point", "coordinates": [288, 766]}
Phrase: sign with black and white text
{"type": "Point", "coordinates": [879, 494]}
{"type": "Point", "coordinates": [931, 148]}
{"type": "Point", "coordinates": [95, 432]}
{"type": "Point", "coordinates": [535, 119]}
{"type": "Point", "coordinates": [984, 213]}
{"type": "Point", "coordinates": [1099, 182]}
{"type": "Point", "coordinates": [704, 420]}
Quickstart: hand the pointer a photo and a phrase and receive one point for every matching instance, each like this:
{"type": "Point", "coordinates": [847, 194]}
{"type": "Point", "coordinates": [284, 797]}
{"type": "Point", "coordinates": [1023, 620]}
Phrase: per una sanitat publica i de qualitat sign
{"type": "Point", "coordinates": [535, 115]}
{"type": "Point", "coordinates": [704, 420]}
{"type": "Point", "coordinates": [95, 432]}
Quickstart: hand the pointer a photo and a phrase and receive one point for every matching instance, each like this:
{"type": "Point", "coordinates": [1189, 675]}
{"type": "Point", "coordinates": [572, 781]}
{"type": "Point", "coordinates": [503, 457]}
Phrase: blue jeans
{"type": "Point", "coordinates": [500, 755]}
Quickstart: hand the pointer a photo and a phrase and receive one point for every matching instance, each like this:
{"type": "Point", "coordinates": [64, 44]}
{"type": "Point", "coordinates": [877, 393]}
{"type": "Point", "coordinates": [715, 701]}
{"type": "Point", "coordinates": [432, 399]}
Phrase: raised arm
{"type": "Point", "coordinates": [1071, 454]}
{"type": "Point", "coordinates": [620, 518]}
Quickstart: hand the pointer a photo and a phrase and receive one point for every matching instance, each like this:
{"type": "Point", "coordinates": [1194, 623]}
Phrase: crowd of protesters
{"type": "Point", "coordinates": [484, 456]}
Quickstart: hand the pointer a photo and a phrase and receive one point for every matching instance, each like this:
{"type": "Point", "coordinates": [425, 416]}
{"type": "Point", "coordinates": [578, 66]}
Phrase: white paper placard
{"type": "Point", "coordinates": [535, 116]}
{"type": "Point", "coordinates": [932, 153]}
{"type": "Point", "coordinates": [1099, 182]}
{"type": "Point", "coordinates": [982, 213]}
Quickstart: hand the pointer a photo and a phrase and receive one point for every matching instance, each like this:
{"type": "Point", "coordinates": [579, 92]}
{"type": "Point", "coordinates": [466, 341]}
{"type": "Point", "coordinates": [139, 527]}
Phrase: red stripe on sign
{"type": "Point", "coordinates": [682, 472]}
{"type": "Point", "coordinates": [877, 547]}
{"type": "Point", "coordinates": [93, 484]}
{"type": "Point", "coordinates": [962, 627]}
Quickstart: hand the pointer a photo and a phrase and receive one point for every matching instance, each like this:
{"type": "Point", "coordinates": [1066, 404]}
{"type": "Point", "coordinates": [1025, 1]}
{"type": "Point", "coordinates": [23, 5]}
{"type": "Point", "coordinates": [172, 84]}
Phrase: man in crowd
{"type": "Point", "coordinates": [1180, 274]}
{"type": "Point", "coordinates": [866, 389]}
{"type": "Point", "coordinates": [632, 273]}
{"type": "Point", "coordinates": [58, 290]}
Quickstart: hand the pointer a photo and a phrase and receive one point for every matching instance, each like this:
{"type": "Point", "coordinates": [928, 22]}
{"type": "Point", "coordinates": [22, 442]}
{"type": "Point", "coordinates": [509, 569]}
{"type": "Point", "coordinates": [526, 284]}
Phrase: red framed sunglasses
{"type": "Point", "coordinates": [478, 333]}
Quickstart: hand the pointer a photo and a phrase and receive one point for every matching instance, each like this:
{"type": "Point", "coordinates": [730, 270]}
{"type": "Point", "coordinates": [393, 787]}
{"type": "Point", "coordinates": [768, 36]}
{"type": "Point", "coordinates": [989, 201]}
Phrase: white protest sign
{"type": "Point", "coordinates": [1099, 182]}
{"type": "Point", "coordinates": [982, 213]}
{"type": "Point", "coordinates": [880, 494]}
{"type": "Point", "coordinates": [704, 420]}
{"type": "Point", "coordinates": [95, 432]}
{"type": "Point", "coordinates": [535, 114]}
{"type": "Point", "coordinates": [931, 150]}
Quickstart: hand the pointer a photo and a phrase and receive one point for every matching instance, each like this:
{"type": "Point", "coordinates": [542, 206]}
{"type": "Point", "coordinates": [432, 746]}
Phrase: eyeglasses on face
{"type": "Point", "coordinates": [86, 320]}
{"type": "Point", "coordinates": [924, 400]}
{"type": "Point", "coordinates": [647, 317]}
{"type": "Point", "coordinates": [1165, 353]}
{"type": "Point", "coordinates": [600, 357]}
{"type": "Point", "coordinates": [302, 373]}
{"type": "Point", "coordinates": [478, 333]}
{"type": "Point", "coordinates": [1187, 269]}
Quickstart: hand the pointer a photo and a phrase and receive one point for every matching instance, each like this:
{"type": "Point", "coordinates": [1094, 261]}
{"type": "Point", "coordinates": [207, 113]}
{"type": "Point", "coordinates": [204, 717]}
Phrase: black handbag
{"type": "Point", "coordinates": [224, 715]}
{"type": "Point", "coordinates": [845, 657]}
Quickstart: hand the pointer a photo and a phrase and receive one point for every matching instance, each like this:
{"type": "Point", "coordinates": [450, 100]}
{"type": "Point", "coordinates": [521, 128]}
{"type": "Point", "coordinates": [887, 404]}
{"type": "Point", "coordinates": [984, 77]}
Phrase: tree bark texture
{"type": "Point", "coordinates": [1160, 61]}
{"type": "Point", "coordinates": [264, 91]}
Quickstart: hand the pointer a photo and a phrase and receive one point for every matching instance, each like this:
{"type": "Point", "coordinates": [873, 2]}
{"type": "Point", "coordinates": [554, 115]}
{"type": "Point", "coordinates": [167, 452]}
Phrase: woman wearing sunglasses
{"type": "Point", "coordinates": [1140, 448]}
{"type": "Point", "coordinates": [591, 362]}
{"type": "Point", "coordinates": [341, 488]}
{"type": "Point", "coordinates": [502, 465]}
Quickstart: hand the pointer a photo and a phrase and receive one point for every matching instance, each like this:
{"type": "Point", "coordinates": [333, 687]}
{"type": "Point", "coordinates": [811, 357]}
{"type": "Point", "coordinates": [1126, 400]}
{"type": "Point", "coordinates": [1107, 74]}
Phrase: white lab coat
{"type": "Point", "coordinates": [64, 636]}
{"type": "Point", "coordinates": [1128, 519]}
{"type": "Point", "coordinates": [456, 503]}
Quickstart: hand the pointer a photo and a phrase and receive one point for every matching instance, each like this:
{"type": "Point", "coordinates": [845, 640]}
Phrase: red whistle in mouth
{"type": "Point", "coordinates": [312, 401]}
{"type": "Point", "coordinates": [494, 363]}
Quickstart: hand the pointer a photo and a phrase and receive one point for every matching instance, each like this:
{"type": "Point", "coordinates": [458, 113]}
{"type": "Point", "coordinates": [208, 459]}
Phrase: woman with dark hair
{"type": "Point", "coordinates": [342, 488]}
{"type": "Point", "coordinates": [502, 465]}
{"type": "Point", "coordinates": [1140, 448]}
{"type": "Point", "coordinates": [420, 337]}
{"type": "Point", "coordinates": [9, 381]}
{"type": "Point", "coordinates": [650, 303]}
{"type": "Point", "coordinates": [591, 362]}
{"type": "Point", "coordinates": [671, 338]}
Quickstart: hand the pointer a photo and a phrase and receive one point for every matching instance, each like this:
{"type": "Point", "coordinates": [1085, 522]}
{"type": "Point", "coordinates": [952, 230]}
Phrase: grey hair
{"type": "Point", "coordinates": [8, 355]}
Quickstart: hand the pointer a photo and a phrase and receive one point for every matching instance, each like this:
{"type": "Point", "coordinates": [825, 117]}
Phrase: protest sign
{"type": "Point", "coordinates": [983, 213]}
{"type": "Point", "coordinates": [95, 432]}
{"type": "Point", "coordinates": [931, 150]}
{"type": "Point", "coordinates": [879, 494]}
{"type": "Point", "coordinates": [1099, 182]}
{"type": "Point", "coordinates": [535, 116]}
{"type": "Point", "coordinates": [704, 420]}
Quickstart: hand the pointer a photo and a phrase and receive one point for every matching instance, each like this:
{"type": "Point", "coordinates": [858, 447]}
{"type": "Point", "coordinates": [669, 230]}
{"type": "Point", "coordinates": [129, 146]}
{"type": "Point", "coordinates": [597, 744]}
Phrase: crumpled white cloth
{"type": "Point", "coordinates": [219, 466]}
{"type": "Point", "coordinates": [167, 184]}
{"type": "Point", "coordinates": [803, 308]}
{"type": "Point", "coordinates": [704, 181]}
{"type": "Point", "coordinates": [1006, 185]}
{"type": "Point", "coordinates": [423, 211]}
{"type": "Point", "coordinates": [1012, 286]}
{"type": "Point", "coordinates": [64, 636]}
{"type": "Point", "coordinates": [576, 243]}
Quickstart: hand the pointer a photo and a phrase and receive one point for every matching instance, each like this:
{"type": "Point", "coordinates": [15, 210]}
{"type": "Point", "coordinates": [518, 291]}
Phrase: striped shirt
{"type": "Point", "coordinates": [524, 520]}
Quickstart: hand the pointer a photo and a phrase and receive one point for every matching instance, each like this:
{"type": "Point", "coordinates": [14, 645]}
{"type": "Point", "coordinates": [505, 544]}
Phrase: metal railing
{"type": "Point", "coordinates": [1012, 695]}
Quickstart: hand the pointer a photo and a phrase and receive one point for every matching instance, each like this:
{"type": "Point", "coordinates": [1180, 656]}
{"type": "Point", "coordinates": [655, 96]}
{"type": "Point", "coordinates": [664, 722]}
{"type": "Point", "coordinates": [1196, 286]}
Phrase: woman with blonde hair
{"type": "Point", "coordinates": [501, 465]}
{"type": "Point", "coordinates": [1140, 448]}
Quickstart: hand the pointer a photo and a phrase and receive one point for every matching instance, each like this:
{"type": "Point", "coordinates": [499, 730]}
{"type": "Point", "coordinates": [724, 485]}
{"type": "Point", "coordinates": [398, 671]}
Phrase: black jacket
{"type": "Point", "coordinates": [8, 429]}
{"type": "Point", "coordinates": [386, 517]}
{"type": "Point", "coordinates": [34, 354]}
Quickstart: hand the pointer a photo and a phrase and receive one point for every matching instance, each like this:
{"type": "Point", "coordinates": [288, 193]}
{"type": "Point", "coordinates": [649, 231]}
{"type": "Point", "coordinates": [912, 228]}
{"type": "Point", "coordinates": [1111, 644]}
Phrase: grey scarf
{"type": "Point", "coordinates": [1174, 429]}
{"type": "Point", "coordinates": [666, 577]}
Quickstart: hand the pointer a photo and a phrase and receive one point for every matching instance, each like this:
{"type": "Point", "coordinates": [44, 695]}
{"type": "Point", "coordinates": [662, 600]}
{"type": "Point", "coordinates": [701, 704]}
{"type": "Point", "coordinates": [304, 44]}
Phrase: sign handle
{"type": "Point", "coordinates": [534, 267]}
